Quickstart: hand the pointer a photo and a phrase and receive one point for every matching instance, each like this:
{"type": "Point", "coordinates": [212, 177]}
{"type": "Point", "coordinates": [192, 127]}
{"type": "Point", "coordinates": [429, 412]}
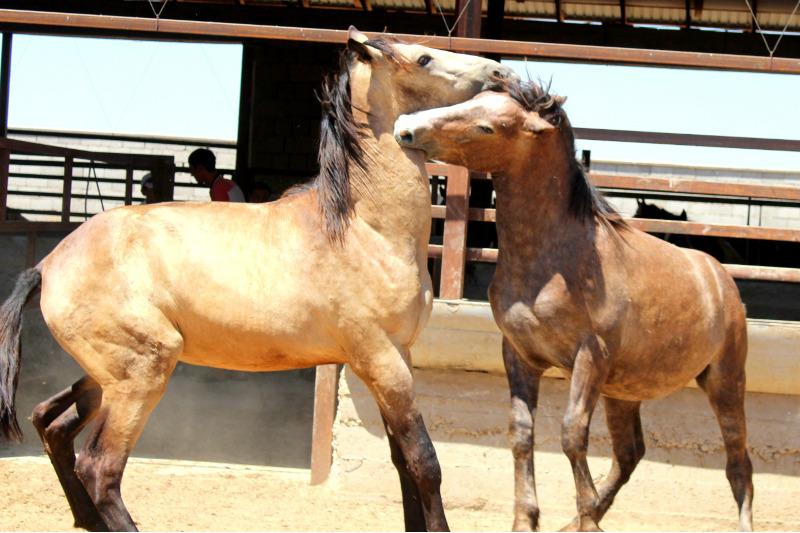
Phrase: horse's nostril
{"type": "Point", "coordinates": [499, 74]}
{"type": "Point", "coordinates": [406, 136]}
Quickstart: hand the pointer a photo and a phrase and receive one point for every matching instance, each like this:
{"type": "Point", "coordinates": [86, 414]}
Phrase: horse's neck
{"type": "Point", "coordinates": [533, 200]}
{"type": "Point", "coordinates": [393, 196]}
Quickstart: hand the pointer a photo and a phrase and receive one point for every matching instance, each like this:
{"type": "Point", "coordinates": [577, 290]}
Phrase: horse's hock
{"type": "Point", "coordinates": [463, 396]}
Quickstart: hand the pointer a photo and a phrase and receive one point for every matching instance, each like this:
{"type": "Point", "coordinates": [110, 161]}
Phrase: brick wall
{"type": "Point", "coordinates": [185, 187]}
{"type": "Point", "coordinates": [712, 213]}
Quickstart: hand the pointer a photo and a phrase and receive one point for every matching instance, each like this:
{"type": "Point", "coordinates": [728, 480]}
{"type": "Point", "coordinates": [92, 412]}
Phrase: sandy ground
{"type": "Point", "coordinates": [183, 496]}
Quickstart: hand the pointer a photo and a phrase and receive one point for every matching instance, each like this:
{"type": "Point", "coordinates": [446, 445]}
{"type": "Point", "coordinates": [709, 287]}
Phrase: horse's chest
{"type": "Point", "coordinates": [543, 322]}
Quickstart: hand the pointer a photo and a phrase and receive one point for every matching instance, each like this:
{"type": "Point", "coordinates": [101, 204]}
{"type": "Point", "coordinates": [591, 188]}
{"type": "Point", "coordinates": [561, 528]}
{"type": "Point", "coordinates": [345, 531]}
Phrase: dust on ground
{"type": "Point", "coordinates": [185, 496]}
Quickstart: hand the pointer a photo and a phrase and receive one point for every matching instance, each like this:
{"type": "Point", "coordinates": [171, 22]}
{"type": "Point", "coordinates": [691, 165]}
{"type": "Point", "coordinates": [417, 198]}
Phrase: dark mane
{"type": "Point", "coordinates": [340, 148]}
{"type": "Point", "coordinates": [586, 202]}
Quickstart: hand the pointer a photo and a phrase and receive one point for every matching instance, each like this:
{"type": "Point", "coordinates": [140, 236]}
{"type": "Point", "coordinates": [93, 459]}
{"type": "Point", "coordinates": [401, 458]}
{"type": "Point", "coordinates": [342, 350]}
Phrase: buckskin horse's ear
{"type": "Point", "coordinates": [355, 43]}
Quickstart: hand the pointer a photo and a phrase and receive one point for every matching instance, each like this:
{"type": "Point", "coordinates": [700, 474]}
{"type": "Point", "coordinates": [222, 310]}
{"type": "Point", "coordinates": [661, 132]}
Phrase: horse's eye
{"type": "Point", "coordinates": [485, 129]}
{"type": "Point", "coordinates": [424, 60]}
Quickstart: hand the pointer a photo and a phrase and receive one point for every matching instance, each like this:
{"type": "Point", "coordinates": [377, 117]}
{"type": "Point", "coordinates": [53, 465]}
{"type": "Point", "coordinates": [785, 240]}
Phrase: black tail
{"type": "Point", "coordinates": [10, 352]}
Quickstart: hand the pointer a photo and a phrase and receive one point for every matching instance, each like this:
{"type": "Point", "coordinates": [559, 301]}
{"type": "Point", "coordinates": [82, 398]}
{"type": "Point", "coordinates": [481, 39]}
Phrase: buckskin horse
{"type": "Point", "coordinates": [335, 273]}
{"type": "Point", "coordinates": [628, 316]}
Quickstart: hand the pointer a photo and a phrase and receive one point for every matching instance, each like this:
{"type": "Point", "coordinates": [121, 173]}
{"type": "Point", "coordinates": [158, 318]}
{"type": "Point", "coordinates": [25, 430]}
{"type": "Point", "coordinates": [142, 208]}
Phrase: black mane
{"type": "Point", "coordinates": [586, 202]}
{"type": "Point", "coordinates": [340, 147]}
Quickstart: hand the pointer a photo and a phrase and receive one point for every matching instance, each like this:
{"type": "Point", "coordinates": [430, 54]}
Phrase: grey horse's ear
{"type": "Point", "coordinates": [356, 44]}
{"type": "Point", "coordinates": [559, 100]}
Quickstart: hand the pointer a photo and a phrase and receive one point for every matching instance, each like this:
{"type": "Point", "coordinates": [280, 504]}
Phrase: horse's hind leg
{"type": "Point", "coordinates": [523, 384]}
{"type": "Point", "coordinates": [724, 383]}
{"type": "Point", "coordinates": [125, 408]}
{"type": "Point", "coordinates": [627, 441]}
{"type": "Point", "coordinates": [58, 421]}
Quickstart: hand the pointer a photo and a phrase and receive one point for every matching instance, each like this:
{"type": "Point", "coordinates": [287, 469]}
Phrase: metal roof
{"type": "Point", "coordinates": [723, 14]}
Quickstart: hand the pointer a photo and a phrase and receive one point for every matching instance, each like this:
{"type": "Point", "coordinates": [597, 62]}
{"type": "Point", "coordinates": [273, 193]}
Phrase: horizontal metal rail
{"type": "Point", "coordinates": [688, 139]}
{"type": "Point", "coordinates": [26, 147]}
{"type": "Point", "coordinates": [691, 186]}
{"type": "Point", "coordinates": [217, 30]}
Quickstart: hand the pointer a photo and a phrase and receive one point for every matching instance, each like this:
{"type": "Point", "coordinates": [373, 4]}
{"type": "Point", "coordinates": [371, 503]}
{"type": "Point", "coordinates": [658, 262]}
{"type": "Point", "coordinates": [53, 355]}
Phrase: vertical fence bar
{"type": "Point", "coordinates": [5, 159]}
{"type": "Point", "coordinates": [325, 391]}
{"type": "Point", "coordinates": [454, 250]}
{"type": "Point", "coordinates": [30, 252]}
{"type": "Point", "coordinates": [129, 186]}
{"type": "Point", "coordinates": [66, 200]}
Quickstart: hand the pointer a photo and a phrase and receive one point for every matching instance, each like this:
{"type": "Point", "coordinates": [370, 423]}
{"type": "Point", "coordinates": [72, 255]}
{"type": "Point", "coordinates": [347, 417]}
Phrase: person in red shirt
{"type": "Point", "coordinates": [203, 167]}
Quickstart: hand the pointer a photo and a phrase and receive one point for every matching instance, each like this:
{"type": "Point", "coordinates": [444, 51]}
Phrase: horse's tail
{"type": "Point", "coordinates": [10, 351]}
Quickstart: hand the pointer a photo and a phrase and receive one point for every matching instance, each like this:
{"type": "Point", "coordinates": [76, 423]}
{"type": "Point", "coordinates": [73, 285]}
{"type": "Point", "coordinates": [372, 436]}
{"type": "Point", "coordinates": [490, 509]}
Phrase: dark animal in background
{"type": "Point", "coordinates": [717, 247]}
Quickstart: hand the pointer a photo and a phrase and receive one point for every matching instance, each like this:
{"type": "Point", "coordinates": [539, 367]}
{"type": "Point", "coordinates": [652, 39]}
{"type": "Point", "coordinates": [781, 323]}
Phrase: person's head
{"type": "Point", "coordinates": [148, 189]}
{"type": "Point", "coordinates": [203, 166]}
{"type": "Point", "coordinates": [259, 193]}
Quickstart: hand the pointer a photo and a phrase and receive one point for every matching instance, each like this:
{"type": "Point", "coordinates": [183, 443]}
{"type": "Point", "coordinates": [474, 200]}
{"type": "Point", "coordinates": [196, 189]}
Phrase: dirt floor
{"type": "Point", "coordinates": [183, 496]}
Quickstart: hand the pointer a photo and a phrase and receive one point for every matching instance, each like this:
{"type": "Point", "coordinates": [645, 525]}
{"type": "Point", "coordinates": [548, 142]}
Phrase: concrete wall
{"type": "Point", "coordinates": [463, 335]}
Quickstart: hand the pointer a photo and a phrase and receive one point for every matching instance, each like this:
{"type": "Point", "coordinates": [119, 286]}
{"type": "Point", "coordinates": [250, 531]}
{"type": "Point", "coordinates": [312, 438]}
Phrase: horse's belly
{"type": "Point", "coordinates": [653, 374]}
{"type": "Point", "coordinates": [248, 347]}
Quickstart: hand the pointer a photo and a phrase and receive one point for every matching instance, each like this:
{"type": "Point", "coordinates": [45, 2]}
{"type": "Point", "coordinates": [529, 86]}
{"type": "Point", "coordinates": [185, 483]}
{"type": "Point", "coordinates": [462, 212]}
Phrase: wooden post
{"type": "Point", "coordinates": [66, 199]}
{"type": "Point", "coordinates": [164, 180]}
{"type": "Point", "coordinates": [469, 25]}
{"type": "Point", "coordinates": [30, 252]}
{"type": "Point", "coordinates": [454, 243]}
{"type": "Point", "coordinates": [5, 82]}
{"type": "Point", "coordinates": [325, 391]}
{"type": "Point", "coordinates": [5, 160]}
{"type": "Point", "coordinates": [129, 186]}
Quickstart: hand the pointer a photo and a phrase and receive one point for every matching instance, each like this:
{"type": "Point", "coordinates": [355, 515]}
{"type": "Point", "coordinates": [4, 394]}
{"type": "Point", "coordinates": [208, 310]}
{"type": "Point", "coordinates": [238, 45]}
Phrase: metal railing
{"type": "Point", "coordinates": [454, 253]}
{"type": "Point", "coordinates": [17, 155]}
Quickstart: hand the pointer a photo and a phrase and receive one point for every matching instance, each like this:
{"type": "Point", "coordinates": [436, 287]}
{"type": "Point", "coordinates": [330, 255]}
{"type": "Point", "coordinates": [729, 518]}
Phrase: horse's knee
{"type": "Point", "coordinates": [520, 431]}
{"type": "Point", "coordinates": [574, 436]}
{"type": "Point", "coordinates": [425, 466]}
{"type": "Point", "coordinates": [739, 468]}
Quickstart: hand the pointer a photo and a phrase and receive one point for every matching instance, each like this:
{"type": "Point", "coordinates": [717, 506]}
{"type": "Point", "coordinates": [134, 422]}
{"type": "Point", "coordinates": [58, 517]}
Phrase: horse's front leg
{"type": "Point", "coordinates": [588, 374]}
{"type": "Point", "coordinates": [523, 384]}
{"type": "Point", "coordinates": [387, 373]}
{"type": "Point", "coordinates": [413, 514]}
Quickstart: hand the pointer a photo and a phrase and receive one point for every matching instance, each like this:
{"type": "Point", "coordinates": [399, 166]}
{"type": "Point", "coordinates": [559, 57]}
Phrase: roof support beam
{"type": "Point", "coordinates": [429, 7]}
{"type": "Point", "coordinates": [197, 30]}
{"type": "Point", "coordinates": [5, 82]}
{"type": "Point", "coordinates": [559, 11]}
{"type": "Point", "coordinates": [495, 13]}
{"type": "Point", "coordinates": [623, 14]}
{"type": "Point", "coordinates": [687, 14]}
